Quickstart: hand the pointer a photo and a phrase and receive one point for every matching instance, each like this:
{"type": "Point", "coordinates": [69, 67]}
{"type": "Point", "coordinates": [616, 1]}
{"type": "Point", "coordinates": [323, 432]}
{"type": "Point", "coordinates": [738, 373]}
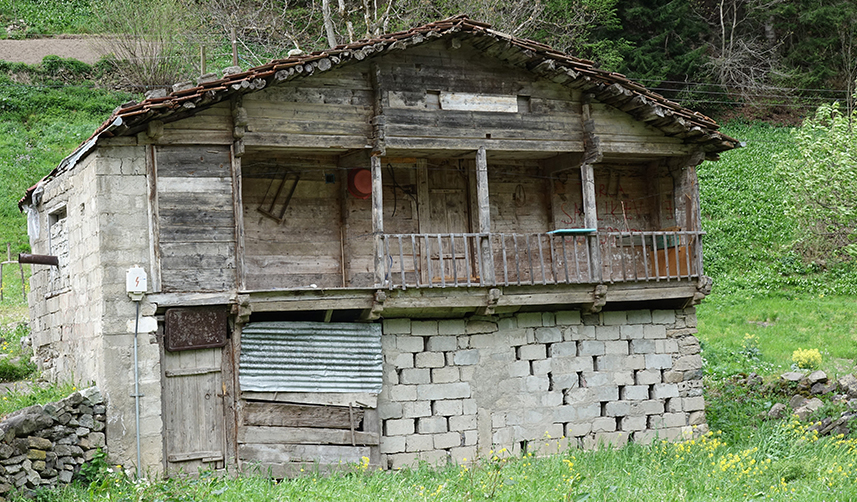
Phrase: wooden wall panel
{"type": "Point", "coordinates": [518, 198]}
{"type": "Point", "coordinates": [195, 219]}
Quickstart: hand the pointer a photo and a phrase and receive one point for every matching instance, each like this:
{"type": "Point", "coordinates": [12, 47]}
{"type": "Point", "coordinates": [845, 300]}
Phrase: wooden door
{"type": "Point", "coordinates": [444, 208]}
{"type": "Point", "coordinates": [194, 418]}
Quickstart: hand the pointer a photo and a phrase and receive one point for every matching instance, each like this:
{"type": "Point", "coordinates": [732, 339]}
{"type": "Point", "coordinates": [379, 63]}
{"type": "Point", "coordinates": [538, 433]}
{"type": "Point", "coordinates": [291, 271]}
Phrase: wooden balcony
{"type": "Point", "coordinates": [499, 259]}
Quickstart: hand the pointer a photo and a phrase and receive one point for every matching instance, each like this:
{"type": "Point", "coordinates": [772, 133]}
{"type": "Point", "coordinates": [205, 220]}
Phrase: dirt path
{"type": "Point", "coordinates": [31, 51]}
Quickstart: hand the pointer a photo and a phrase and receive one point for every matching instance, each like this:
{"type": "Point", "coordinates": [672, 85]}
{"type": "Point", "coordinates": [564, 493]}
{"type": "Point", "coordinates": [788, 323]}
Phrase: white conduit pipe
{"type": "Point", "coordinates": [137, 385]}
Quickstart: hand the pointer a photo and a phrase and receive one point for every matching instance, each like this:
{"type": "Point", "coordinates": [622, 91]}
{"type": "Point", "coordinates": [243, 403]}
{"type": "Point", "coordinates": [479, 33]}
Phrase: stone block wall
{"type": "Point", "coordinates": [43, 446]}
{"type": "Point", "coordinates": [537, 381]}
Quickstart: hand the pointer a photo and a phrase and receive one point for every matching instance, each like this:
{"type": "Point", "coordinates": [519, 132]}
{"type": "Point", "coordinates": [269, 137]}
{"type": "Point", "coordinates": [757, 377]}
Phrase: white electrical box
{"type": "Point", "coordinates": [135, 281]}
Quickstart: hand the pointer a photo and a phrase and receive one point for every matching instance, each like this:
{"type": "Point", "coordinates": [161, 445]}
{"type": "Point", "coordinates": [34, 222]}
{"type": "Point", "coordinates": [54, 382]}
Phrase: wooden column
{"type": "Point", "coordinates": [484, 212]}
{"type": "Point", "coordinates": [378, 222]}
{"type": "Point", "coordinates": [591, 155]}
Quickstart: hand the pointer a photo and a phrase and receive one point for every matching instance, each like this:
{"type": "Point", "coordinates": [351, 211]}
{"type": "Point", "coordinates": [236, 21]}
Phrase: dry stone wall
{"type": "Point", "coordinates": [538, 381]}
{"type": "Point", "coordinates": [43, 446]}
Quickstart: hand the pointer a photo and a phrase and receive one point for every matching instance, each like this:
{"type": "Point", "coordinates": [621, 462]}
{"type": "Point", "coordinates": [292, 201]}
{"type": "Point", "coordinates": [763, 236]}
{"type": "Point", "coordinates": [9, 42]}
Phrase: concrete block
{"type": "Point", "coordinates": [517, 337]}
{"type": "Point", "coordinates": [503, 437]}
{"type": "Point", "coordinates": [471, 437]}
{"type": "Point", "coordinates": [667, 420]}
{"type": "Point", "coordinates": [463, 455]}
{"type": "Point", "coordinates": [604, 424]}
{"type": "Point", "coordinates": [410, 343]}
{"type": "Point", "coordinates": [617, 408]}
{"type": "Point", "coordinates": [429, 360]}
{"type": "Point", "coordinates": [442, 343]}
{"type": "Point", "coordinates": [467, 373]}
{"type": "Point", "coordinates": [392, 444]}
{"type": "Point", "coordinates": [488, 341]}
{"type": "Point", "coordinates": [400, 427]}
{"type": "Point", "coordinates": [548, 335]}
{"type": "Point", "coordinates": [596, 378]}
{"type": "Point", "coordinates": [610, 363]}
{"type": "Point", "coordinates": [565, 381]}
{"type": "Point", "coordinates": [658, 361]}
{"type": "Point", "coordinates": [469, 406]}
{"type": "Point", "coordinates": [389, 410]}
{"type": "Point", "coordinates": [540, 367]}
{"type": "Point", "coordinates": [423, 328]}
{"type": "Point", "coordinates": [607, 332]}
{"type": "Point", "coordinates": [605, 393]}
{"type": "Point", "coordinates": [431, 425]}
{"type": "Point", "coordinates": [548, 319]}
{"type": "Point", "coordinates": [401, 360]}
{"type": "Point", "coordinates": [673, 405]}
{"type": "Point", "coordinates": [498, 420]}
{"type": "Point", "coordinates": [654, 331]}
{"type": "Point", "coordinates": [581, 333]}
{"type": "Point", "coordinates": [664, 391]}
{"type": "Point", "coordinates": [663, 317]}
{"type": "Point", "coordinates": [462, 422]}
{"type": "Point", "coordinates": [466, 357]}
{"type": "Point", "coordinates": [567, 317]}
{"type": "Point", "coordinates": [633, 331]}
{"type": "Point", "coordinates": [448, 407]}
{"type": "Point", "coordinates": [623, 377]}
{"type": "Point", "coordinates": [690, 319]}
{"type": "Point", "coordinates": [647, 377]}
{"type": "Point", "coordinates": [403, 393]}
{"type": "Point", "coordinates": [643, 346]}
{"type": "Point", "coordinates": [436, 391]}
{"type": "Point", "coordinates": [668, 346]}
{"type": "Point", "coordinates": [606, 440]}
{"type": "Point", "coordinates": [396, 326]}
{"type": "Point", "coordinates": [477, 327]}
{"type": "Point", "coordinates": [552, 399]}
{"type": "Point", "coordinates": [415, 376]}
{"type": "Point", "coordinates": [451, 327]}
{"type": "Point", "coordinates": [563, 349]}
{"type": "Point", "coordinates": [614, 318]}
{"type": "Point", "coordinates": [419, 442]}
{"type": "Point", "coordinates": [519, 368]}
{"type": "Point", "coordinates": [591, 348]}
{"type": "Point", "coordinates": [507, 323]}
{"type": "Point", "coordinates": [448, 440]}
{"type": "Point", "coordinates": [635, 392]}
{"type": "Point", "coordinates": [578, 429]}
{"type": "Point", "coordinates": [616, 347]}
{"type": "Point", "coordinates": [634, 423]}
{"type": "Point", "coordinates": [529, 320]}
{"type": "Point", "coordinates": [693, 403]}
{"type": "Point", "coordinates": [527, 352]}
{"type": "Point", "coordinates": [645, 437]}
{"type": "Point", "coordinates": [536, 384]}
{"type": "Point", "coordinates": [402, 460]}
{"type": "Point", "coordinates": [566, 365]}
{"type": "Point", "coordinates": [445, 375]}
{"type": "Point", "coordinates": [639, 316]}
{"type": "Point", "coordinates": [416, 409]}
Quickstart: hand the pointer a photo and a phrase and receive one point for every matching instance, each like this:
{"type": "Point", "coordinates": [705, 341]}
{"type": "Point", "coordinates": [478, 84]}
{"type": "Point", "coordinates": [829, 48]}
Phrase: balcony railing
{"type": "Point", "coordinates": [476, 259]}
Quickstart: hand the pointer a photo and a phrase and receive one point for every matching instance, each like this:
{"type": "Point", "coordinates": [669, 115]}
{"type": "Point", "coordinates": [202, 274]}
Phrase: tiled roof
{"type": "Point", "coordinates": [607, 87]}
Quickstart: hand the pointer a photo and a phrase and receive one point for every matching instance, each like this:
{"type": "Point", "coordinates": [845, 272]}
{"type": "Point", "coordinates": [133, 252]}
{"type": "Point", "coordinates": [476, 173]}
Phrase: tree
{"type": "Point", "coordinates": [823, 185]}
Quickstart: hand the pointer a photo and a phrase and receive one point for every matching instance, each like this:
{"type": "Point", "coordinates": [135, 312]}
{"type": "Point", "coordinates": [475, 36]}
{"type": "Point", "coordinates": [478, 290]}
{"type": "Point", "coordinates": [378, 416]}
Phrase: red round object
{"type": "Point", "coordinates": [360, 183]}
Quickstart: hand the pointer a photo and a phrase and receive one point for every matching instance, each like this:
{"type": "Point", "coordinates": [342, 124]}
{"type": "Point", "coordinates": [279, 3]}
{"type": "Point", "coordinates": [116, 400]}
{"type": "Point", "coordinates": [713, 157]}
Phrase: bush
{"type": "Point", "coordinates": [807, 358]}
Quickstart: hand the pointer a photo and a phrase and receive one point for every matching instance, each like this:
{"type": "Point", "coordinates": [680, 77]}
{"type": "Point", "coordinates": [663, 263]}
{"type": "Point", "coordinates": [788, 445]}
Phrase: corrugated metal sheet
{"type": "Point", "coordinates": [310, 357]}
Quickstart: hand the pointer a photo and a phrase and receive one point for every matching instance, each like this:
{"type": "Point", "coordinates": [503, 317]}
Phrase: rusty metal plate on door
{"type": "Point", "coordinates": [195, 328]}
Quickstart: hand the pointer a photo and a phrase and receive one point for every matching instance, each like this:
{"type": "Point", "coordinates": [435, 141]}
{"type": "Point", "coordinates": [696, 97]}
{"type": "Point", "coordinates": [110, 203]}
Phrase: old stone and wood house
{"type": "Point", "coordinates": [417, 247]}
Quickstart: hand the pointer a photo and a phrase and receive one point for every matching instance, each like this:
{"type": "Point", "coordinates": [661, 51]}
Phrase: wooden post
{"type": "Point", "coordinates": [484, 212]}
{"type": "Point", "coordinates": [592, 154]}
{"type": "Point", "coordinates": [378, 222]}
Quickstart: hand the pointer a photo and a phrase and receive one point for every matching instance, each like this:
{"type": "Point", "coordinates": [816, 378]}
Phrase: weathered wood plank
{"type": "Point", "coordinates": [214, 186]}
{"type": "Point", "coordinates": [193, 160]}
{"type": "Point", "coordinates": [294, 415]}
{"type": "Point", "coordinates": [319, 141]}
{"type": "Point", "coordinates": [356, 399]}
{"type": "Point", "coordinates": [197, 279]}
{"type": "Point", "coordinates": [304, 435]}
{"type": "Point", "coordinates": [279, 454]}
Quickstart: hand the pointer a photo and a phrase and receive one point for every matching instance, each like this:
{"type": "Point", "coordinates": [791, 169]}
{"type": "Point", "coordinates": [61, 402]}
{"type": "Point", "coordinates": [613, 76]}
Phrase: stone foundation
{"type": "Point", "coordinates": [454, 389]}
{"type": "Point", "coordinates": [43, 446]}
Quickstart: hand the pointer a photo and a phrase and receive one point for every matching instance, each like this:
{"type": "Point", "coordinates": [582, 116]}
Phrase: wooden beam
{"type": "Point", "coordinates": [154, 218]}
{"type": "Point", "coordinates": [378, 222]}
{"type": "Point", "coordinates": [378, 119]}
{"type": "Point", "coordinates": [484, 212]}
{"type": "Point", "coordinates": [238, 215]}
